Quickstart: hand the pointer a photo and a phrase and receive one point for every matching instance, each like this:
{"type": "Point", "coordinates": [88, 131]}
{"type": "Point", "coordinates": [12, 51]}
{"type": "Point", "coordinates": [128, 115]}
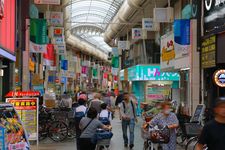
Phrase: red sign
{"type": "Point", "coordinates": [24, 104]}
{"type": "Point", "coordinates": [7, 25]}
{"type": "Point", "coordinates": [49, 56]}
{"type": "Point", "coordinates": [23, 93]}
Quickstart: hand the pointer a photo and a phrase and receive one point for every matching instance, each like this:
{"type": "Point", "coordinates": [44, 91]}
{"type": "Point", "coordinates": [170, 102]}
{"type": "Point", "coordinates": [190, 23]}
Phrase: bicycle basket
{"type": "Point", "coordinates": [193, 129]}
{"type": "Point", "coordinates": [161, 136]}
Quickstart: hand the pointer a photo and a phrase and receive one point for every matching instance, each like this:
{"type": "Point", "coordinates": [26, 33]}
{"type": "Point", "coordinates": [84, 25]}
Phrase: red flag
{"type": "Point", "coordinates": [49, 56]}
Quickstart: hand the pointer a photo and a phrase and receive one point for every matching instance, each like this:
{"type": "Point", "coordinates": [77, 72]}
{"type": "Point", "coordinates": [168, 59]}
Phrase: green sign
{"type": "Point", "coordinates": [38, 31]}
{"type": "Point", "coordinates": [115, 62]}
{"type": "Point", "coordinates": [95, 73]}
{"type": "Point", "coordinates": [150, 73]}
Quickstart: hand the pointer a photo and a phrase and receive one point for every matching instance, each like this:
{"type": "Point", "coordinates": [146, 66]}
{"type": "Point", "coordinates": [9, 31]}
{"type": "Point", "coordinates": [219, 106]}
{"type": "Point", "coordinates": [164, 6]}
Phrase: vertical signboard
{"type": "Point", "coordinates": [27, 109]}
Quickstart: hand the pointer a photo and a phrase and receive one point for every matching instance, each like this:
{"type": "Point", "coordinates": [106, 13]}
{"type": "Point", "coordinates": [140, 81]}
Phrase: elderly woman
{"type": "Point", "coordinates": [169, 119]}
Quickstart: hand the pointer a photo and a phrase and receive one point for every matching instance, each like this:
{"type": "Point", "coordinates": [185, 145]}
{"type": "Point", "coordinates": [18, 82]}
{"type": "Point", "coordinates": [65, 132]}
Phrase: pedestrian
{"type": "Point", "coordinates": [96, 102]}
{"type": "Point", "coordinates": [213, 133]}
{"type": "Point", "coordinates": [66, 101]}
{"type": "Point", "coordinates": [80, 112]}
{"type": "Point", "coordinates": [105, 116]}
{"type": "Point", "coordinates": [88, 126]}
{"type": "Point", "coordinates": [128, 116]}
{"type": "Point", "coordinates": [169, 119]}
{"type": "Point", "coordinates": [119, 98]}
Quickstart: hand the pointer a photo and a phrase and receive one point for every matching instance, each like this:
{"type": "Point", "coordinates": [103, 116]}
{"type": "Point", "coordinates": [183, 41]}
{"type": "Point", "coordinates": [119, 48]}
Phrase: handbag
{"type": "Point", "coordinates": [161, 136]}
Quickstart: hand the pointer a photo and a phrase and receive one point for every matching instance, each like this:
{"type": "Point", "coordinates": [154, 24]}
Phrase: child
{"type": "Point", "coordinates": [105, 115]}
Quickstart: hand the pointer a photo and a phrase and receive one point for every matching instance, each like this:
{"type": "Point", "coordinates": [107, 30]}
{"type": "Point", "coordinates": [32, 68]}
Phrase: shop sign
{"type": "Point", "coordinates": [58, 40]}
{"type": "Point", "coordinates": [60, 49]}
{"type": "Point", "coordinates": [137, 33]}
{"type": "Point", "coordinates": [115, 62]}
{"type": "Point", "coordinates": [115, 51]}
{"type": "Point", "coordinates": [33, 11]}
{"type": "Point", "coordinates": [121, 75]}
{"type": "Point", "coordinates": [150, 73]}
{"type": "Point", "coordinates": [213, 13]}
{"type": "Point", "coordinates": [149, 25]}
{"type": "Point", "coordinates": [7, 27]}
{"type": "Point", "coordinates": [31, 65]}
{"type": "Point", "coordinates": [1, 9]}
{"type": "Point", "coordinates": [23, 94]}
{"type": "Point", "coordinates": [27, 108]}
{"type": "Point", "coordinates": [47, 2]}
{"type": "Point", "coordinates": [115, 71]}
{"type": "Point", "coordinates": [219, 78]}
{"type": "Point", "coordinates": [167, 50]}
{"type": "Point", "coordinates": [54, 18]}
{"type": "Point", "coordinates": [38, 31]}
{"type": "Point", "coordinates": [95, 73]}
{"type": "Point", "coordinates": [64, 64]}
{"type": "Point", "coordinates": [181, 37]}
{"type": "Point", "coordinates": [56, 32]}
{"type": "Point", "coordinates": [125, 45]}
{"type": "Point", "coordinates": [208, 48]}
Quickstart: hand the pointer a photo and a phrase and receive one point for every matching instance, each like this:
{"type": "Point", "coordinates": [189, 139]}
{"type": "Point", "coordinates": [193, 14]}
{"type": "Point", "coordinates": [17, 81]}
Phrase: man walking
{"type": "Point", "coordinates": [128, 116]}
{"type": "Point", "coordinates": [213, 133]}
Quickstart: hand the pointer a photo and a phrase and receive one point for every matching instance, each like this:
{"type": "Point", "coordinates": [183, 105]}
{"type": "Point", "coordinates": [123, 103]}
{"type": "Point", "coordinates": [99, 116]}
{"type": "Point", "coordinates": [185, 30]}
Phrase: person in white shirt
{"type": "Point", "coordinates": [105, 116]}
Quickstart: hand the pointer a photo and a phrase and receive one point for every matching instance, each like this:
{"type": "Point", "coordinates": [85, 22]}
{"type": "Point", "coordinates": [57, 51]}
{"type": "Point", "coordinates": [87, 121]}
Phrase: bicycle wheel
{"type": "Point", "coordinates": [42, 132]}
{"type": "Point", "coordinates": [58, 131]}
{"type": "Point", "coordinates": [191, 143]}
{"type": "Point", "coordinates": [180, 137]}
{"type": "Point", "coordinates": [72, 130]}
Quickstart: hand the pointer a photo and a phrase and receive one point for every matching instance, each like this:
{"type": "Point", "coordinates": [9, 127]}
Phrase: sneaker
{"type": "Point", "coordinates": [131, 146]}
{"type": "Point", "coordinates": [126, 145]}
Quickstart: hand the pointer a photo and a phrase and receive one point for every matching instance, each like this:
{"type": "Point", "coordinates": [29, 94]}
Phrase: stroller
{"type": "Point", "coordinates": [103, 139]}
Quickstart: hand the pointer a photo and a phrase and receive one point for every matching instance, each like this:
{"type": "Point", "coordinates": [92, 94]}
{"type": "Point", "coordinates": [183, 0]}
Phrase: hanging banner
{"type": "Point", "coordinates": [60, 49]}
{"type": "Point", "coordinates": [115, 62]}
{"type": "Point", "coordinates": [182, 37]}
{"type": "Point", "coordinates": [167, 51]}
{"type": "Point", "coordinates": [38, 31]}
{"type": "Point", "coordinates": [27, 109]}
{"type": "Point", "coordinates": [47, 2]}
{"type": "Point", "coordinates": [37, 48]}
{"type": "Point", "coordinates": [115, 51]}
{"type": "Point", "coordinates": [49, 56]}
{"type": "Point", "coordinates": [149, 25]}
{"type": "Point", "coordinates": [136, 33]}
{"type": "Point", "coordinates": [64, 64]}
{"type": "Point", "coordinates": [54, 18]}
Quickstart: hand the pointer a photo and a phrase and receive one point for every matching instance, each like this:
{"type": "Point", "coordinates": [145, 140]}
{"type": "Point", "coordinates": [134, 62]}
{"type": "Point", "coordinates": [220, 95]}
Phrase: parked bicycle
{"type": "Point", "coordinates": [49, 127]}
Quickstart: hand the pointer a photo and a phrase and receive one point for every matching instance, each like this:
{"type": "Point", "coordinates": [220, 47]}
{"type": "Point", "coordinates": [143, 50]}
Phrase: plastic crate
{"type": "Point", "coordinates": [193, 129]}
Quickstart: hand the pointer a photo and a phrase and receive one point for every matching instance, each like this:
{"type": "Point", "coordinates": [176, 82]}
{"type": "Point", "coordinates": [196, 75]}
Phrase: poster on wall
{"type": "Point", "coordinates": [54, 18]}
{"type": "Point", "coordinates": [27, 109]}
{"type": "Point", "coordinates": [157, 92]}
{"type": "Point", "coordinates": [167, 51]}
{"type": "Point", "coordinates": [137, 33]}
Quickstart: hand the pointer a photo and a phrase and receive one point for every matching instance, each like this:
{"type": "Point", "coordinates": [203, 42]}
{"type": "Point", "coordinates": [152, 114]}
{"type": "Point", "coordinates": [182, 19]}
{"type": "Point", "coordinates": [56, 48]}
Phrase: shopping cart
{"type": "Point", "coordinates": [103, 144]}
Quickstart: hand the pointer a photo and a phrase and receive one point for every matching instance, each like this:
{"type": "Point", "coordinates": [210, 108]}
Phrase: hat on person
{"type": "Point", "coordinates": [219, 101]}
{"type": "Point", "coordinates": [83, 96]}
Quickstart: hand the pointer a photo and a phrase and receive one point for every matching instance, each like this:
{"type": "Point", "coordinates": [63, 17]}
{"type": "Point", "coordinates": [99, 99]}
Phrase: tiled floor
{"type": "Point", "coordinates": [116, 143]}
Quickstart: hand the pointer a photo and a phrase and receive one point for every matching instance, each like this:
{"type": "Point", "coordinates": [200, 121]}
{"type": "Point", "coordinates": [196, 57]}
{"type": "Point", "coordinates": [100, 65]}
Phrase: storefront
{"type": "Point", "coordinates": [149, 84]}
{"type": "Point", "coordinates": [212, 53]}
{"type": "Point", "coordinates": [7, 46]}
{"type": "Point", "coordinates": [179, 54]}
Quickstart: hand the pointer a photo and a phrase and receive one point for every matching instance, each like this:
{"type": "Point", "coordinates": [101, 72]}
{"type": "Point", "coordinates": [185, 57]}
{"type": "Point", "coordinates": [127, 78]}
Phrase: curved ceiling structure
{"type": "Point", "coordinates": [90, 18]}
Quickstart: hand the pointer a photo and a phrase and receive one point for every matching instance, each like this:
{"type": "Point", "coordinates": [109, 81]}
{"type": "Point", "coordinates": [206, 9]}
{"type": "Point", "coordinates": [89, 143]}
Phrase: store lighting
{"type": "Point", "coordinates": [1, 72]}
{"type": "Point", "coordinates": [185, 69]}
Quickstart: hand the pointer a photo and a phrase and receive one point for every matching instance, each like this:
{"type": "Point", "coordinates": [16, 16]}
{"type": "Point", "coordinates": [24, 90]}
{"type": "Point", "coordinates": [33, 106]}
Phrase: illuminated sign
{"type": "Point", "coordinates": [219, 78]}
{"type": "Point", "coordinates": [1, 9]}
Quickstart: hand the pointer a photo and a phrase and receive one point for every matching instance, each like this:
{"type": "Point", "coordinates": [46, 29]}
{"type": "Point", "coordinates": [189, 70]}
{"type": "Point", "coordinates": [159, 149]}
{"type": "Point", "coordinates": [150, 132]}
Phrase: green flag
{"type": "Point", "coordinates": [38, 31]}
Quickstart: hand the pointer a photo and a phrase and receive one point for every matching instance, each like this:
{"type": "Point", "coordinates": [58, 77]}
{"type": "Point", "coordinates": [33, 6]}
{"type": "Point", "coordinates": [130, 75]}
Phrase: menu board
{"type": "Point", "coordinates": [13, 136]}
{"type": "Point", "coordinates": [157, 92]}
{"type": "Point", "coordinates": [27, 109]}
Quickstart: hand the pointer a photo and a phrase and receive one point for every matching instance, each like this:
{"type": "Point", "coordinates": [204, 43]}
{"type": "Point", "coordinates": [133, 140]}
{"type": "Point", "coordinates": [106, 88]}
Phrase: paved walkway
{"type": "Point", "coordinates": [116, 143]}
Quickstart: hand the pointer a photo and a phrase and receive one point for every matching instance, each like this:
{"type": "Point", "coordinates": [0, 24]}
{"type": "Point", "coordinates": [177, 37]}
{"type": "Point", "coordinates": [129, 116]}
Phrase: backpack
{"type": "Point", "coordinates": [105, 120]}
{"type": "Point", "coordinates": [79, 115]}
{"type": "Point", "coordinates": [132, 104]}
